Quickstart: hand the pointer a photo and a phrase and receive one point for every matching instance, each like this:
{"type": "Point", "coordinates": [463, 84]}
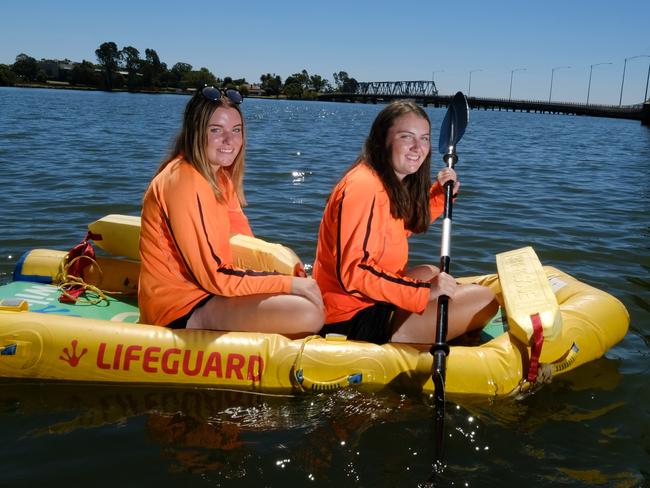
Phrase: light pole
{"type": "Point", "coordinates": [550, 92]}
{"type": "Point", "coordinates": [645, 98]}
{"type": "Point", "coordinates": [620, 99]}
{"type": "Point", "coordinates": [469, 87]}
{"type": "Point", "coordinates": [433, 75]}
{"type": "Point", "coordinates": [589, 85]}
{"type": "Point", "coordinates": [512, 72]}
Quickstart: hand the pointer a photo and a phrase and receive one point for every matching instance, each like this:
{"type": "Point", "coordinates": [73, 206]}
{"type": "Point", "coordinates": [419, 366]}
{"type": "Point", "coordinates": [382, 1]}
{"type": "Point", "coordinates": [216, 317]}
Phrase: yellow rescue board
{"type": "Point", "coordinates": [527, 292]}
{"type": "Point", "coordinates": [119, 235]}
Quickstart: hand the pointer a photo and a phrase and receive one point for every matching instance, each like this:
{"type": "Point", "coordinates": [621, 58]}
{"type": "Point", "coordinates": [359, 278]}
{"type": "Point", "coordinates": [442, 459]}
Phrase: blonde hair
{"type": "Point", "coordinates": [191, 142]}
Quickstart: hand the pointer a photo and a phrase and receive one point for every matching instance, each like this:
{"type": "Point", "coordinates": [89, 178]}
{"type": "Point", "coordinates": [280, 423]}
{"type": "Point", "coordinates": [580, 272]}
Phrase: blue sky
{"type": "Point", "coordinates": [401, 41]}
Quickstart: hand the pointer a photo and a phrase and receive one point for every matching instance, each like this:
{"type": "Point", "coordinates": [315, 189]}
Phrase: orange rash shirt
{"type": "Point", "coordinates": [363, 251]}
{"type": "Point", "coordinates": [185, 246]}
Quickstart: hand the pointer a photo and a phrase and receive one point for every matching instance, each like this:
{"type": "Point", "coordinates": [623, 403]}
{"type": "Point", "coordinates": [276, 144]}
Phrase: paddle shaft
{"type": "Point", "coordinates": [440, 349]}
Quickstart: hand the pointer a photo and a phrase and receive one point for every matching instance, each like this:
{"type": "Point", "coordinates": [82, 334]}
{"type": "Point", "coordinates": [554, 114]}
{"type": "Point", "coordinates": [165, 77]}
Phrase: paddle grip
{"type": "Point", "coordinates": [438, 377]}
{"type": "Point", "coordinates": [444, 263]}
{"type": "Point", "coordinates": [441, 328]}
{"type": "Point", "coordinates": [450, 159]}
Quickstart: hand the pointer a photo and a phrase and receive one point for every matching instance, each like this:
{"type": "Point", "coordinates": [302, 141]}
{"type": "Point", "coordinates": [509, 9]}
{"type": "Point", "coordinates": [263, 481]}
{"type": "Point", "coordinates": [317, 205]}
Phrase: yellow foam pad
{"type": "Point", "coordinates": [526, 292]}
{"type": "Point", "coordinates": [253, 253]}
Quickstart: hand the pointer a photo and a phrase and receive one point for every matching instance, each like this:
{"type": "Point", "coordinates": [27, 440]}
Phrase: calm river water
{"type": "Point", "coordinates": [577, 189]}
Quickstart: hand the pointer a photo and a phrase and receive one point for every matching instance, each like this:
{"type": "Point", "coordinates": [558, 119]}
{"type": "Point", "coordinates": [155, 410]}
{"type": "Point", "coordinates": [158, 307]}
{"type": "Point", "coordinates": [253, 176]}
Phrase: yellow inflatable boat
{"type": "Point", "coordinates": [549, 323]}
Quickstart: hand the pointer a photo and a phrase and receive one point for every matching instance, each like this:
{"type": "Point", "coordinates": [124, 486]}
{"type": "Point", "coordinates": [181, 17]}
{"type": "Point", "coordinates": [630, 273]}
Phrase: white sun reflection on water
{"type": "Point", "coordinates": [470, 433]}
{"type": "Point", "coordinates": [298, 177]}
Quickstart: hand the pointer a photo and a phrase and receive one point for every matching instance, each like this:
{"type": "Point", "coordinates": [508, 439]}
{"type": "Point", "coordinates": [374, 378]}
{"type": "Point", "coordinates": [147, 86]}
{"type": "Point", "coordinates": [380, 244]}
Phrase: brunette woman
{"type": "Point", "coordinates": [362, 255]}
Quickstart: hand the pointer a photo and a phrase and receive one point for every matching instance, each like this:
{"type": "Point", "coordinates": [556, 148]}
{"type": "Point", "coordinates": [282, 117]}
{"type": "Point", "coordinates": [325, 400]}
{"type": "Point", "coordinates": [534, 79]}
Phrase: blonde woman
{"type": "Point", "coordinates": [191, 208]}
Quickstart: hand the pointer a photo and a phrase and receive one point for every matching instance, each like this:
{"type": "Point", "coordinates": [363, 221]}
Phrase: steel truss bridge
{"type": "Point", "coordinates": [398, 88]}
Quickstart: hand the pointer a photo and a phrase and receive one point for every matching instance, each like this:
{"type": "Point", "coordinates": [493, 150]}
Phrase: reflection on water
{"type": "Point", "coordinates": [349, 436]}
{"type": "Point", "coordinates": [224, 434]}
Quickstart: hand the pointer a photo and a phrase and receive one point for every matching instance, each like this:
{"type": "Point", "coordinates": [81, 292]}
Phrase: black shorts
{"type": "Point", "coordinates": [372, 324]}
{"type": "Point", "coordinates": [181, 322]}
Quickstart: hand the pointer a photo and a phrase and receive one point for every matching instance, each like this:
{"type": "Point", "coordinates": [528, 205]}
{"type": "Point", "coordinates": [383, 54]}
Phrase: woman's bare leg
{"type": "Point", "coordinates": [291, 315]}
{"type": "Point", "coordinates": [471, 307]}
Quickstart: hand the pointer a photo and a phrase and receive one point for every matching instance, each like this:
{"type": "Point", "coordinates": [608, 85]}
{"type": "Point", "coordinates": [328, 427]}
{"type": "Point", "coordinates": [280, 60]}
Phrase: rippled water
{"type": "Point", "coordinates": [576, 189]}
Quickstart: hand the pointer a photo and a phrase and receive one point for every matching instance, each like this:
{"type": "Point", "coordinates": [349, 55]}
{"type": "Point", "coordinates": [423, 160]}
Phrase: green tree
{"type": "Point", "coordinates": [7, 76]}
{"type": "Point", "coordinates": [132, 62]}
{"type": "Point", "coordinates": [296, 85]}
{"type": "Point", "coordinates": [198, 79]}
{"type": "Point", "coordinates": [118, 80]}
{"type": "Point", "coordinates": [26, 67]}
{"type": "Point", "coordinates": [168, 78]}
{"type": "Point", "coordinates": [108, 56]}
{"type": "Point", "coordinates": [152, 69]}
{"type": "Point", "coordinates": [178, 71]}
{"type": "Point", "coordinates": [51, 68]}
{"type": "Point", "coordinates": [292, 89]}
{"type": "Point", "coordinates": [344, 83]}
{"type": "Point", "coordinates": [271, 84]}
{"type": "Point", "coordinates": [41, 76]}
{"type": "Point", "coordinates": [318, 83]}
{"type": "Point", "coordinates": [84, 74]}
{"type": "Point", "coordinates": [303, 78]}
{"type": "Point", "coordinates": [338, 77]}
{"type": "Point", "coordinates": [182, 68]}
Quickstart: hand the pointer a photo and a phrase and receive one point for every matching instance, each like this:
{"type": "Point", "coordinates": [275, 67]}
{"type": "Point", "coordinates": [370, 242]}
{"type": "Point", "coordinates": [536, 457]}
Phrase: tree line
{"type": "Point", "coordinates": [126, 69]}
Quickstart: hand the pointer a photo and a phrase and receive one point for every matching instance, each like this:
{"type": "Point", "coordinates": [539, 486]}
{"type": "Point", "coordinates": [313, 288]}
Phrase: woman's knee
{"type": "Point", "coordinates": [491, 305]}
{"type": "Point", "coordinates": [486, 297]}
{"type": "Point", "coordinates": [310, 317]}
{"type": "Point", "coordinates": [482, 301]}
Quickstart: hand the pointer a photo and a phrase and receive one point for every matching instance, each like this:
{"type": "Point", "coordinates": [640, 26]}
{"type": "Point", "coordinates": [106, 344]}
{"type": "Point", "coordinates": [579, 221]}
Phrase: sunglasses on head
{"type": "Point", "coordinates": [215, 94]}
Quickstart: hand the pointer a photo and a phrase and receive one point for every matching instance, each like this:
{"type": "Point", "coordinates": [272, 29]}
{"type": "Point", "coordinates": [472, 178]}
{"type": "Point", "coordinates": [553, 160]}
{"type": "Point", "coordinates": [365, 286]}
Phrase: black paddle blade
{"type": "Point", "coordinates": [454, 124]}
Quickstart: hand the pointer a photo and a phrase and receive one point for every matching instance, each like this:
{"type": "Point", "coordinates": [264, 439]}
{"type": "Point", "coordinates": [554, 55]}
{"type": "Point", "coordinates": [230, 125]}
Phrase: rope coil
{"type": "Point", "coordinates": [74, 289]}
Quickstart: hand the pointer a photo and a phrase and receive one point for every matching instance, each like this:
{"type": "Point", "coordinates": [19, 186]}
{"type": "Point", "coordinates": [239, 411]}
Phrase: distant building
{"type": "Point", "coordinates": [56, 69]}
{"type": "Point", "coordinates": [255, 89]}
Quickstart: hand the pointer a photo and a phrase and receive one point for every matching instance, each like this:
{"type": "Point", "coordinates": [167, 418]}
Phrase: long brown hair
{"type": "Point", "coordinates": [192, 140]}
{"type": "Point", "coordinates": [409, 198]}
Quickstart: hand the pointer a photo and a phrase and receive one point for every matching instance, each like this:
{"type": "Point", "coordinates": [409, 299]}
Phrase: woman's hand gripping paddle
{"type": "Point", "coordinates": [452, 130]}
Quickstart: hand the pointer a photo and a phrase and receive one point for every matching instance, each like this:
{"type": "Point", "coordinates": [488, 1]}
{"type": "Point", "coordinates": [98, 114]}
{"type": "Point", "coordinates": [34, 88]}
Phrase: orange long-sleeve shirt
{"type": "Point", "coordinates": [185, 246]}
{"type": "Point", "coordinates": [363, 251]}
